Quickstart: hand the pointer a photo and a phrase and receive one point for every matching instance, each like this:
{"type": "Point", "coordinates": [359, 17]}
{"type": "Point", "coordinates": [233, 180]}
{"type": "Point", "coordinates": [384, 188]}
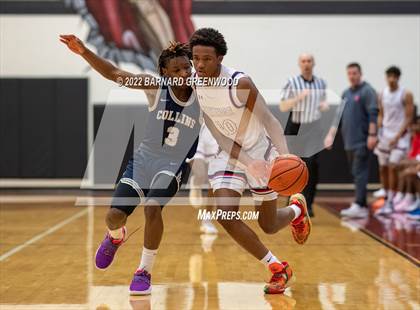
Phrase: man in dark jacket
{"type": "Point", "coordinates": [359, 114]}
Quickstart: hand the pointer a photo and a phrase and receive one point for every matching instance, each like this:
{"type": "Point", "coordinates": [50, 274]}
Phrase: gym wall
{"type": "Point", "coordinates": [265, 45]}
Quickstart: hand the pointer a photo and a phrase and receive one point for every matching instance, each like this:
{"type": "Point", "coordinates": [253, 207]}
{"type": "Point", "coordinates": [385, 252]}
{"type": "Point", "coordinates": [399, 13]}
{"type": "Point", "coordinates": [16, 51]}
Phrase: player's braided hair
{"type": "Point", "coordinates": [209, 37]}
{"type": "Point", "coordinates": [174, 50]}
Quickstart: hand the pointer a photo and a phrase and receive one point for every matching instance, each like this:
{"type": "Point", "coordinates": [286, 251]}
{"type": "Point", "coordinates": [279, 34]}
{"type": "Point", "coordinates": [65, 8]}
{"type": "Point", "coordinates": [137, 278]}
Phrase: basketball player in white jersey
{"type": "Point", "coordinates": [240, 113]}
{"type": "Point", "coordinates": [396, 110]}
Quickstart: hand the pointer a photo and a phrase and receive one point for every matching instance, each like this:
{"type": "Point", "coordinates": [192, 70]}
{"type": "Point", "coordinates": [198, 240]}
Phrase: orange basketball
{"type": "Point", "coordinates": [289, 175]}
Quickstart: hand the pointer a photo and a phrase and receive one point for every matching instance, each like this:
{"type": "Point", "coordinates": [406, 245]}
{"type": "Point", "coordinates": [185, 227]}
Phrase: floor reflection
{"type": "Point", "coordinates": [392, 289]}
{"type": "Point", "coordinates": [223, 295]}
{"type": "Point", "coordinates": [397, 229]}
{"type": "Point", "coordinates": [339, 267]}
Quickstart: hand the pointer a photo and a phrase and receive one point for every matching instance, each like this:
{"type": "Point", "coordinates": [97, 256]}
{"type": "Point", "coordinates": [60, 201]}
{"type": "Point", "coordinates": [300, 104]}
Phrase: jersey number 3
{"type": "Point", "coordinates": [172, 137]}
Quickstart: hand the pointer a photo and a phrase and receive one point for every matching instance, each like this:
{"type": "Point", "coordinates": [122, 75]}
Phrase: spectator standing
{"type": "Point", "coordinates": [359, 131]}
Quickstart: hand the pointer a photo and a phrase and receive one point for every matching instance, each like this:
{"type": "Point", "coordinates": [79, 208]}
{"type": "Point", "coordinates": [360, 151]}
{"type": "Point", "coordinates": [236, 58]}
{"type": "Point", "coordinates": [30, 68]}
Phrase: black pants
{"type": "Point", "coordinates": [359, 163]}
{"type": "Point", "coordinates": [312, 162]}
{"type": "Point", "coordinates": [310, 189]}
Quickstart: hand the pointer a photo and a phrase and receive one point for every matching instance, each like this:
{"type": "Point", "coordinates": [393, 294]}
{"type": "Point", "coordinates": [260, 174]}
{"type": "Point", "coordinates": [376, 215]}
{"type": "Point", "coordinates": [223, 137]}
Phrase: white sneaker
{"type": "Point", "coordinates": [208, 228]}
{"type": "Point", "coordinates": [355, 211]}
{"type": "Point", "coordinates": [398, 198]}
{"type": "Point", "coordinates": [386, 209]}
{"type": "Point", "coordinates": [379, 193]}
{"type": "Point", "coordinates": [413, 206]}
{"type": "Point", "coordinates": [404, 205]}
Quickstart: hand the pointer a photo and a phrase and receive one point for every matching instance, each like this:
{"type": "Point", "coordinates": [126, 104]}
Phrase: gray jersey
{"type": "Point", "coordinates": [173, 126]}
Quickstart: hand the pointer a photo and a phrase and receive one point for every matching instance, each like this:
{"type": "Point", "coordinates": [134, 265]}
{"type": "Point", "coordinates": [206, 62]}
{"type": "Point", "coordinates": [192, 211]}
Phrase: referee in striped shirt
{"type": "Point", "coordinates": [305, 97]}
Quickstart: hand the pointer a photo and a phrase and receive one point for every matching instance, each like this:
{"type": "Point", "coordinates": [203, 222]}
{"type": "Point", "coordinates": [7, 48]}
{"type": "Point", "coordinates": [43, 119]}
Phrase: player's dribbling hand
{"type": "Point", "coordinates": [260, 170]}
{"type": "Point", "coordinates": [73, 43]}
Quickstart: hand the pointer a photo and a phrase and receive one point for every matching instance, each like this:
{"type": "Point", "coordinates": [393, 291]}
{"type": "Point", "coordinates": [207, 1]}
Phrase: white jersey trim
{"type": "Point", "coordinates": [179, 102]}
{"type": "Point", "coordinates": [234, 92]}
{"type": "Point", "coordinates": [157, 98]}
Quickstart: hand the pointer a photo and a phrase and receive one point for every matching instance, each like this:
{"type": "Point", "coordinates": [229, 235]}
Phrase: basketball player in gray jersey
{"type": "Point", "coordinates": [154, 173]}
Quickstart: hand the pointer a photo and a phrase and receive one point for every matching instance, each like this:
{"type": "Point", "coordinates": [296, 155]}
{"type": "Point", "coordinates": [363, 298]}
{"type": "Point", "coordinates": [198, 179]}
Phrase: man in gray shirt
{"type": "Point", "coordinates": [359, 114]}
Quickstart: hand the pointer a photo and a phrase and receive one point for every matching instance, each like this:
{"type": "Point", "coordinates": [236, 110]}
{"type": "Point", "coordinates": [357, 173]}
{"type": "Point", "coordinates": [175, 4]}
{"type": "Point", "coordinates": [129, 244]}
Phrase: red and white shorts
{"type": "Point", "coordinates": [224, 174]}
{"type": "Point", "coordinates": [387, 155]}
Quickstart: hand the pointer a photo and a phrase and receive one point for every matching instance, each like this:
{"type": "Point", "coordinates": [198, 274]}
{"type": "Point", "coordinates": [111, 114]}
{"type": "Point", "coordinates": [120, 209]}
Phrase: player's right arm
{"type": "Point", "coordinates": [106, 68]}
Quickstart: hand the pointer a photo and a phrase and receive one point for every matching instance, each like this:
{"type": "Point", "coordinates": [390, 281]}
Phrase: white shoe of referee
{"type": "Point", "coordinates": [355, 211]}
{"type": "Point", "coordinates": [380, 193]}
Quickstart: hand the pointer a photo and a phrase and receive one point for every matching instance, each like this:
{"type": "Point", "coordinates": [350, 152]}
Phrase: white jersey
{"type": "Point", "coordinates": [222, 105]}
{"type": "Point", "coordinates": [393, 111]}
{"type": "Point", "coordinates": [207, 145]}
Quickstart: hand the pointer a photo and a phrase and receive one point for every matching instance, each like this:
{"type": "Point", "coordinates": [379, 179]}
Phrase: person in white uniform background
{"type": "Point", "coordinates": [396, 110]}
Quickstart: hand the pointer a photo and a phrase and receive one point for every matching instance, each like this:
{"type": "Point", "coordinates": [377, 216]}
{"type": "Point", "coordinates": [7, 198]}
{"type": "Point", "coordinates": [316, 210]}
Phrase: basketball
{"type": "Point", "coordinates": [289, 175]}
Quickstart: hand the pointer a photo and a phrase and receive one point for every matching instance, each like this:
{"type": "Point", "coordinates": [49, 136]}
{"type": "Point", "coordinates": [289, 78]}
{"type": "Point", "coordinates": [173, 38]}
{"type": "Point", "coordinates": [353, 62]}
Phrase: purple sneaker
{"type": "Point", "coordinates": [140, 285]}
{"type": "Point", "coordinates": [106, 251]}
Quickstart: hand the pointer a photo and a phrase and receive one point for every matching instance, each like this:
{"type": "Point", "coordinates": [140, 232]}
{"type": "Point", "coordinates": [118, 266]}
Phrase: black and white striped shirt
{"type": "Point", "coordinates": [307, 110]}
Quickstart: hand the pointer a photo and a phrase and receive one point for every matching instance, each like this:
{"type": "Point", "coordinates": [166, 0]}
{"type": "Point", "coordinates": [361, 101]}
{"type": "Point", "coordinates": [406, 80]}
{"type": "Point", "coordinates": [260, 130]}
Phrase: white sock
{"type": "Point", "coordinates": [297, 211]}
{"type": "Point", "coordinates": [409, 197]}
{"type": "Point", "coordinates": [117, 234]}
{"type": "Point", "coordinates": [390, 194]}
{"type": "Point", "coordinates": [147, 259]}
{"type": "Point", "coordinates": [268, 259]}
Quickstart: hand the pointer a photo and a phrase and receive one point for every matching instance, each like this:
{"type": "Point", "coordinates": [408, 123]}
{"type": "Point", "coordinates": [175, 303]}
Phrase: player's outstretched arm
{"type": "Point", "coordinates": [248, 94]}
{"type": "Point", "coordinates": [106, 68]}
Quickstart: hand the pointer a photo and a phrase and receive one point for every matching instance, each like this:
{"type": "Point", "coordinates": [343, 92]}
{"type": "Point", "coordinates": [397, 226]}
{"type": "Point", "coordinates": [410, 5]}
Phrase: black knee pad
{"type": "Point", "coordinates": [164, 187]}
{"type": "Point", "coordinates": [125, 198]}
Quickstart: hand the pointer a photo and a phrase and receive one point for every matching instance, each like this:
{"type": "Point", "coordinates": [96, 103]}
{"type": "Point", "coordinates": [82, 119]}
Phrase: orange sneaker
{"type": "Point", "coordinates": [301, 227]}
{"type": "Point", "coordinates": [282, 273]}
{"type": "Point", "coordinates": [377, 204]}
